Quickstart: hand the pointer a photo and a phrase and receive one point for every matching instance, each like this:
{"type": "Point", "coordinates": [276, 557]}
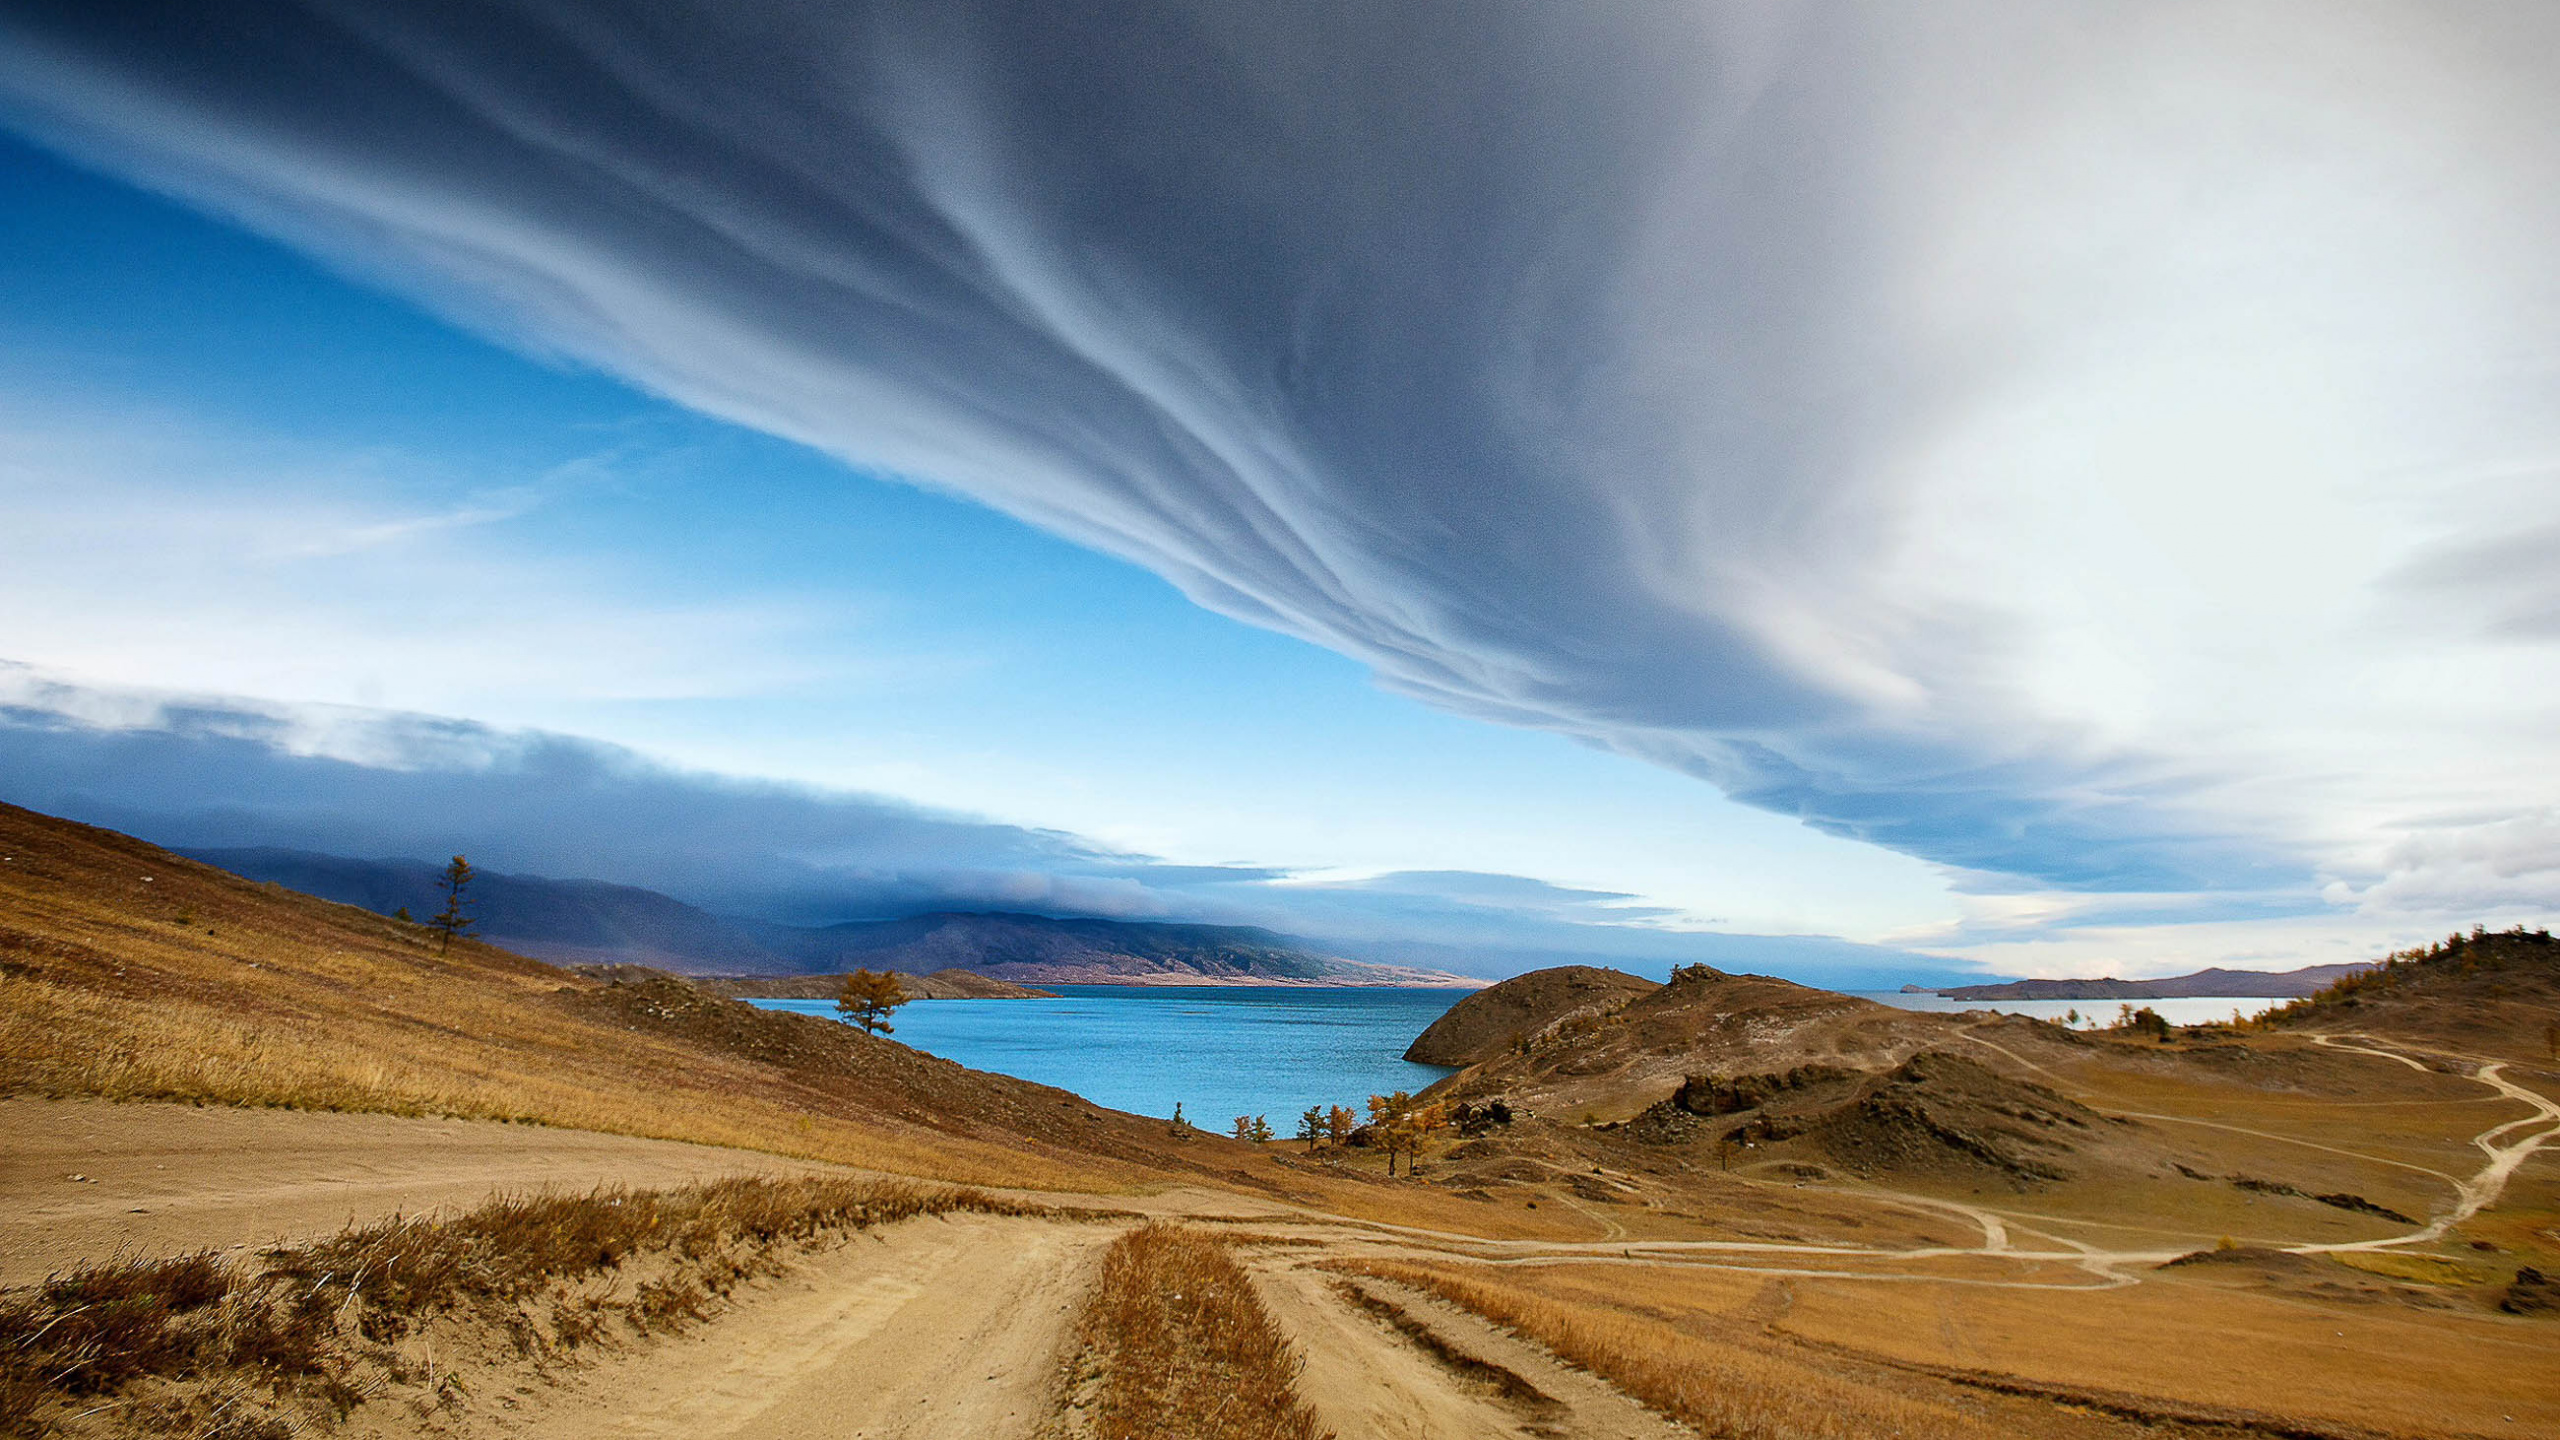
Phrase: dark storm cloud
{"type": "Point", "coordinates": [1532, 354]}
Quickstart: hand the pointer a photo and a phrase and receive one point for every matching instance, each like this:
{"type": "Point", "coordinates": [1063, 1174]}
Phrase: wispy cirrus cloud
{"type": "Point", "coordinates": [2002, 435]}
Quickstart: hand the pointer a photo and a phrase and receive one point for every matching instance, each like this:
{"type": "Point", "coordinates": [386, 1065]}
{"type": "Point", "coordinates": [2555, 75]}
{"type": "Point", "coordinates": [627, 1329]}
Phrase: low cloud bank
{"type": "Point", "coordinates": [216, 774]}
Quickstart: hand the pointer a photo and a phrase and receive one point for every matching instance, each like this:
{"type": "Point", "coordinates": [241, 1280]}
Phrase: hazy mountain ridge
{"type": "Point", "coordinates": [592, 922]}
{"type": "Point", "coordinates": [2214, 983]}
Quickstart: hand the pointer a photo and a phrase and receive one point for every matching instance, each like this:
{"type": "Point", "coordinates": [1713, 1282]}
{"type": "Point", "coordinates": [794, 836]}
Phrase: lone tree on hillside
{"type": "Point", "coordinates": [454, 918]}
{"type": "Point", "coordinates": [1311, 1126]}
{"type": "Point", "coordinates": [867, 998]}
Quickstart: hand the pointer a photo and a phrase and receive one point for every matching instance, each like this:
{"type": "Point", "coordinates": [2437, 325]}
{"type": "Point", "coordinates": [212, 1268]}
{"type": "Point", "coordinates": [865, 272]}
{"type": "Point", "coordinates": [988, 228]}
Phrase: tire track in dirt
{"type": "Point", "coordinates": [1386, 1361]}
{"type": "Point", "coordinates": [943, 1329]}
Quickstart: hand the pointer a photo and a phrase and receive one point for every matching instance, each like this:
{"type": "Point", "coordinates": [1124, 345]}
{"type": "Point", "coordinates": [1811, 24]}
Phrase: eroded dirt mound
{"type": "Point", "coordinates": [1935, 1115]}
{"type": "Point", "coordinates": [1733, 1094]}
{"type": "Point", "coordinates": [1937, 1112]}
{"type": "Point", "coordinates": [1490, 1022]}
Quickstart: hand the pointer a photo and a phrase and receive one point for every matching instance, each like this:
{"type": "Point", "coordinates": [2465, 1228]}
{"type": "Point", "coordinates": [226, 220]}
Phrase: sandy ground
{"type": "Point", "coordinates": [945, 1327]}
{"type": "Point", "coordinates": [1365, 1378]}
{"type": "Point", "coordinates": [83, 1179]}
{"type": "Point", "coordinates": [940, 1329]}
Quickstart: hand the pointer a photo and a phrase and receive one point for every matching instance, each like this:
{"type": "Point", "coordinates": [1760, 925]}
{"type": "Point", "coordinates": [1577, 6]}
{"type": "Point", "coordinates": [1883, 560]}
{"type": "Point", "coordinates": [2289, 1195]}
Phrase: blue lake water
{"type": "Point", "coordinates": [2179, 1010]}
{"type": "Point", "coordinates": [1222, 1051]}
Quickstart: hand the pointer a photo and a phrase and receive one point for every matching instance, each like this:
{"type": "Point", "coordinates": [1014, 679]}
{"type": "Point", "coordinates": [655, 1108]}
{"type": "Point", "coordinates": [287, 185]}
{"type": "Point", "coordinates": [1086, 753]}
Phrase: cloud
{"type": "Point", "coordinates": [209, 773]}
{"type": "Point", "coordinates": [217, 773]}
{"type": "Point", "coordinates": [1985, 431]}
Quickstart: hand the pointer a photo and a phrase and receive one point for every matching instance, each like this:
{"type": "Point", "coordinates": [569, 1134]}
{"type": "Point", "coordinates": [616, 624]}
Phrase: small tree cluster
{"type": "Point", "coordinates": [1320, 1126]}
{"type": "Point", "coordinates": [2145, 1021]}
{"type": "Point", "coordinates": [1402, 1124]}
{"type": "Point", "coordinates": [1253, 1129]}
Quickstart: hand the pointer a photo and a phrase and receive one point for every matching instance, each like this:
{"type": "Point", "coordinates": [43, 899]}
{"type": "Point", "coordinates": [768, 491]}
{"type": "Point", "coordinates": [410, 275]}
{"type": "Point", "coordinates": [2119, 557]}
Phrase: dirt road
{"type": "Point", "coordinates": [937, 1329]}
{"type": "Point", "coordinates": [1384, 1360]}
{"type": "Point", "coordinates": [83, 1179]}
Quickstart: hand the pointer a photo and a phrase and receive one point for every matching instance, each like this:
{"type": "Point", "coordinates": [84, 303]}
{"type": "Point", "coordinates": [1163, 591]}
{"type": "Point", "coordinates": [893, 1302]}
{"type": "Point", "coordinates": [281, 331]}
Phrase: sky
{"type": "Point", "coordinates": [1865, 492]}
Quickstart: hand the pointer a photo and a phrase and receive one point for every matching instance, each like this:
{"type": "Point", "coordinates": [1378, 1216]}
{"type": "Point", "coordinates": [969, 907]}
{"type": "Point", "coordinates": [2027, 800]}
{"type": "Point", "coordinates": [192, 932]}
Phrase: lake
{"type": "Point", "coordinates": [1222, 1051]}
{"type": "Point", "coordinates": [2177, 1010]}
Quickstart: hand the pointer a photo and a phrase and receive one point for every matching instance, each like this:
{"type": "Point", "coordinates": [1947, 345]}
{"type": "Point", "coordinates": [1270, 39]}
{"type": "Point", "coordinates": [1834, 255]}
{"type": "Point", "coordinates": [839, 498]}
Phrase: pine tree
{"type": "Point", "coordinates": [455, 917]}
{"type": "Point", "coordinates": [1311, 1126]}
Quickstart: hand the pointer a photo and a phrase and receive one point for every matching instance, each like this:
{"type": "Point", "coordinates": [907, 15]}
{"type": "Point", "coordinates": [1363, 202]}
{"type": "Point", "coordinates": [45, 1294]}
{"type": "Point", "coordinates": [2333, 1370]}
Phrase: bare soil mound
{"type": "Point", "coordinates": [1935, 1116]}
{"type": "Point", "coordinates": [1938, 1112]}
{"type": "Point", "coordinates": [1490, 1022]}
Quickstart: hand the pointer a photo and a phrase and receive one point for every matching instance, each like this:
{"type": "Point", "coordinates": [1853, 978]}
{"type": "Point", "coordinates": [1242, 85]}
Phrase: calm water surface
{"type": "Point", "coordinates": [2177, 1010]}
{"type": "Point", "coordinates": [1227, 1051]}
{"type": "Point", "coordinates": [1221, 1051]}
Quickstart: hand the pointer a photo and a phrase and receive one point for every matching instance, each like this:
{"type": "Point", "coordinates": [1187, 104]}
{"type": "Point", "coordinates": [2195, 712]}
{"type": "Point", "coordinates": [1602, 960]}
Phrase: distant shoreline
{"type": "Point", "coordinates": [2210, 984]}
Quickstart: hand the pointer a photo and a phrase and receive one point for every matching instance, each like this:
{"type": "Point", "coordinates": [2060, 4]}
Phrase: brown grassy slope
{"type": "Point", "coordinates": [1492, 1020]}
{"type": "Point", "coordinates": [1173, 1342]}
{"type": "Point", "coordinates": [2480, 994]}
{"type": "Point", "coordinates": [1746, 1354]}
{"type": "Point", "coordinates": [130, 973]}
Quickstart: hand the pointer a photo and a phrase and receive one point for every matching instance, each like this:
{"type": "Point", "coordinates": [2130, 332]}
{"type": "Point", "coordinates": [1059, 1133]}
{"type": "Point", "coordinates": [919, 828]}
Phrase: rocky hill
{"type": "Point", "coordinates": [1615, 1060]}
{"type": "Point", "coordinates": [1491, 1021]}
{"type": "Point", "coordinates": [1750, 1075]}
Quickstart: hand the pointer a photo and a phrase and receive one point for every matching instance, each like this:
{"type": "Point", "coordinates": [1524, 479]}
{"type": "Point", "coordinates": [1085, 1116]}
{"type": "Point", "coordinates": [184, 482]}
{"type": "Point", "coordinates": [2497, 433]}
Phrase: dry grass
{"type": "Point", "coordinates": [1173, 1343]}
{"type": "Point", "coordinates": [1720, 1387]}
{"type": "Point", "coordinates": [128, 973]}
{"type": "Point", "coordinates": [199, 1344]}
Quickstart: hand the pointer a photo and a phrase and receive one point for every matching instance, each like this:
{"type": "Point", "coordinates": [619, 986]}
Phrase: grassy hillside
{"type": "Point", "coordinates": [132, 973]}
{"type": "Point", "coordinates": [2486, 994]}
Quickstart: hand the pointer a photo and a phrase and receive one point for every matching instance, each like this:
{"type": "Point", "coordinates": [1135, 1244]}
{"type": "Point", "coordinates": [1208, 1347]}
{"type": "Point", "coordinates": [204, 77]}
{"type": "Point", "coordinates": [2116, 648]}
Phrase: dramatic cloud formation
{"type": "Point", "coordinates": [2087, 445]}
{"type": "Point", "coordinates": [205, 773]}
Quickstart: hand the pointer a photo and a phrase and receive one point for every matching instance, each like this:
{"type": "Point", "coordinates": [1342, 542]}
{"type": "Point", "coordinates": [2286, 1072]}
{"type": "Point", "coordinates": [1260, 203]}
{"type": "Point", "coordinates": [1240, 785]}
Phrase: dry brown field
{"type": "Point", "coordinates": [2363, 1187]}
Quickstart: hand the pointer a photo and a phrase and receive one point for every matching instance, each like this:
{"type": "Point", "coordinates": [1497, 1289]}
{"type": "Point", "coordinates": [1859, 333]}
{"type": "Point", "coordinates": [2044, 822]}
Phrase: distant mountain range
{"type": "Point", "coordinates": [2215, 984]}
{"type": "Point", "coordinates": [590, 922]}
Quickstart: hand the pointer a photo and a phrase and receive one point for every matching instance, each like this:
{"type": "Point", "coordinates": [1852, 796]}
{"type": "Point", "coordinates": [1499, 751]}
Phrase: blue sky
{"type": "Point", "coordinates": [835, 628]}
{"type": "Point", "coordinates": [1627, 484]}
